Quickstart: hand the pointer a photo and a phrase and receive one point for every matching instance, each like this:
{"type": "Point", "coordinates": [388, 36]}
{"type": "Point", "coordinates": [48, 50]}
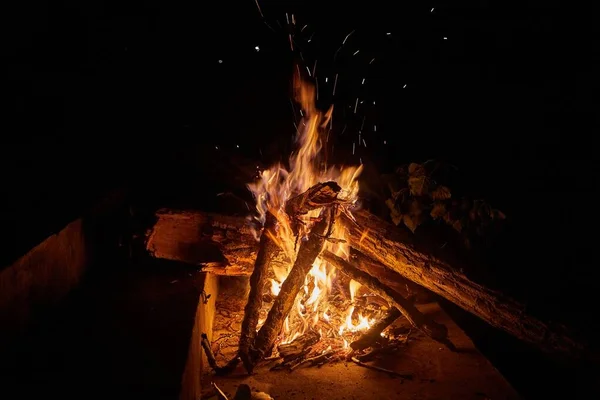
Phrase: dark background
{"type": "Point", "coordinates": [106, 94]}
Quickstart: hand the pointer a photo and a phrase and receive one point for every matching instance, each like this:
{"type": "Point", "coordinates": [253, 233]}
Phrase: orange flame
{"type": "Point", "coordinates": [277, 184]}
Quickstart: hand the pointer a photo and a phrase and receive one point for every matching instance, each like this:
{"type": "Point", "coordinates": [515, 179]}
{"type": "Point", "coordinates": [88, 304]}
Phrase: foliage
{"type": "Point", "coordinates": [415, 197]}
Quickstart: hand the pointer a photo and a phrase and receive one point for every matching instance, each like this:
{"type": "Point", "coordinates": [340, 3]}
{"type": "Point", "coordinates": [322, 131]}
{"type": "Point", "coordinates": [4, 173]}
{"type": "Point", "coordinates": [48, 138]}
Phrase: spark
{"type": "Point", "coordinates": [363, 81]}
{"type": "Point", "coordinates": [335, 84]}
{"type": "Point", "coordinates": [404, 87]}
{"type": "Point", "coordinates": [353, 147]}
{"type": "Point", "coordinates": [291, 42]}
{"type": "Point", "coordinates": [365, 143]}
{"type": "Point", "coordinates": [287, 18]}
{"type": "Point", "coordinates": [259, 10]}
{"type": "Point", "coordinates": [303, 28]}
{"type": "Point", "coordinates": [308, 70]}
{"type": "Point", "coordinates": [237, 145]}
{"type": "Point", "coordinates": [356, 52]}
{"type": "Point", "coordinates": [375, 128]}
{"type": "Point", "coordinates": [445, 38]}
{"type": "Point", "coordinates": [216, 147]}
{"type": "Point", "coordinates": [311, 36]}
{"type": "Point", "coordinates": [256, 48]}
{"type": "Point", "coordinates": [355, 105]}
{"type": "Point", "coordinates": [389, 33]}
{"type": "Point", "coordinates": [347, 36]}
{"type": "Point", "coordinates": [385, 142]}
{"type": "Point", "coordinates": [373, 102]}
{"type": "Point", "coordinates": [371, 62]}
{"type": "Point", "coordinates": [326, 79]}
{"type": "Point", "coordinates": [360, 159]}
{"type": "Point", "coordinates": [220, 61]}
{"type": "Point", "coordinates": [293, 19]}
{"type": "Point", "coordinates": [314, 68]}
{"type": "Point", "coordinates": [343, 130]}
{"type": "Point", "coordinates": [432, 9]}
{"type": "Point", "coordinates": [363, 123]}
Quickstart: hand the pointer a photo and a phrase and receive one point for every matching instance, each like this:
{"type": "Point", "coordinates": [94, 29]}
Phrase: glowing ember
{"type": "Point", "coordinates": [323, 306]}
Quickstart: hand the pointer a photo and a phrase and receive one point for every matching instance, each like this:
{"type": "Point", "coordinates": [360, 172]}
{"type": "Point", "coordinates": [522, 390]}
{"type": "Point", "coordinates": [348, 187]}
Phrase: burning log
{"type": "Point", "coordinates": [262, 266]}
{"type": "Point", "coordinates": [308, 252]}
{"type": "Point", "coordinates": [398, 250]}
{"type": "Point", "coordinates": [319, 195]}
{"type": "Point", "coordinates": [374, 333]}
{"type": "Point", "coordinates": [176, 231]}
{"type": "Point", "coordinates": [413, 315]}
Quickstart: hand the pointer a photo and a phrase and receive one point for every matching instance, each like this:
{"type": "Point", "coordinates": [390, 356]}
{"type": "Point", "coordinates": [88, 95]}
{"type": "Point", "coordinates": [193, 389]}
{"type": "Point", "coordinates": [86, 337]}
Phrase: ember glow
{"type": "Point", "coordinates": [323, 305]}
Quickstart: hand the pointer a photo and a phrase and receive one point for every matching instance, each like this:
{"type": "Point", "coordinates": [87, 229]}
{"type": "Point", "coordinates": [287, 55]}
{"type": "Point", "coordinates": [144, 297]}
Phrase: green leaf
{"type": "Point", "coordinates": [441, 193]}
{"type": "Point", "coordinates": [438, 210]}
{"type": "Point", "coordinates": [394, 214]}
{"type": "Point", "coordinates": [419, 185]}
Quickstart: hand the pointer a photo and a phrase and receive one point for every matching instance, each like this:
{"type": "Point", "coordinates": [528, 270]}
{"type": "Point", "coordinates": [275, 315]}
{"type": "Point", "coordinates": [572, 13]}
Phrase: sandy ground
{"type": "Point", "coordinates": [437, 372]}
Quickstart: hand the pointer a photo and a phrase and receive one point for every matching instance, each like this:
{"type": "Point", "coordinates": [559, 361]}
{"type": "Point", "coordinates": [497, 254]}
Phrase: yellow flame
{"type": "Point", "coordinates": [278, 184]}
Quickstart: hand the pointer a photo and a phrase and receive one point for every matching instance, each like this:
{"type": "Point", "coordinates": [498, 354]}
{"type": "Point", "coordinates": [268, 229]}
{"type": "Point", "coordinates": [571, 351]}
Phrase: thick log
{"type": "Point", "coordinates": [389, 246]}
{"type": "Point", "coordinates": [307, 253]}
{"type": "Point", "coordinates": [224, 245]}
{"type": "Point", "coordinates": [422, 263]}
{"type": "Point", "coordinates": [421, 321]}
{"type": "Point", "coordinates": [266, 254]}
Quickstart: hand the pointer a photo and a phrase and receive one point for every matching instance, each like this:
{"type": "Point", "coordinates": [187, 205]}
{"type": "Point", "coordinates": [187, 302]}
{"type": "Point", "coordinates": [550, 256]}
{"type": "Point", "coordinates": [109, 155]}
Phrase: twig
{"type": "Point", "coordinates": [212, 361]}
{"type": "Point", "coordinates": [387, 371]}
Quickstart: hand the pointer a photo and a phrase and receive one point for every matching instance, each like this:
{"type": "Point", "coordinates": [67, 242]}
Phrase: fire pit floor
{"type": "Point", "coordinates": [437, 372]}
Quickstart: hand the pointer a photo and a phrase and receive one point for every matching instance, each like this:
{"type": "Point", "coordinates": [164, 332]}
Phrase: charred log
{"type": "Point", "coordinates": [370, 337]}
{"type": "Point", "coordinates": [319, 195]}
{"type": "Point", "coordinates": [266, 253]}
{"type": "Point", "coordinates": [308, 252]}
{"type": "Point", "coordinates": [431, 328]}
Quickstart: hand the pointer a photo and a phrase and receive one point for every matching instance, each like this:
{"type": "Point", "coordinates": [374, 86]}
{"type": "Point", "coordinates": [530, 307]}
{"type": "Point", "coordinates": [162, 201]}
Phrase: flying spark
{"type": "Point", "coordinates": [355, 105]}
{"type": "Point", "coordinates": [303, 28]}
{"type": "Point", "coordinates": [259, 10]}
{"type": "Point", "coordinates": [335, 84]}
{"type": "Point", "coordinates": [256, 48]}
{"type": "Point", "coordinates": [363, 81]}
{"type": "Point", "coordinates": [220, 61]}
{"type": "Point", "coordinates": [403, 86]}
{"type": "Point", "coordinates": [365, 143]}
{"type": "Point", "coordinates": [353, 147]}
{"type": "Point", "coordinates": [347, 36]}
{"type": "Point", "coordinates": [371, 62]}
{"type": "Point", "coordinates": [356, 52]}
{"type": "Point", "coordinates": [432, 10]}
{"type": "Point", "coordinates": [389, 33]}
{"type": "Point", "coordinates": [445, 38]}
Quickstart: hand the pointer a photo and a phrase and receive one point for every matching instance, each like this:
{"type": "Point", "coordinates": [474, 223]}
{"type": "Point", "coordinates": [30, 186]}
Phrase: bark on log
{"type": "Point", "coordinates": [176, 232]}
{"type": "Point", "coordinates": [428, 326]}
{"type": "Point", "coordinates": [320, 195]}
{"type": "Point", "coordinates": [421, 263]}
{"type": "Point", "coordinates": [307, 253]}
{"type": "Point", "coordinates": [374, 333]}
{"type": "Point", "coordinates": [221, 244]}
{"type": "Point", "coordinates": [266, 253]}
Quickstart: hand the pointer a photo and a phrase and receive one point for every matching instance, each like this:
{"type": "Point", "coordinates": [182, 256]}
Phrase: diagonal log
{"type": "Point", "coordinates": [422, 322]}
{"type": "Point", "coordinates": [262, 266]}
{"type": "Point", "coordinates": [423, 263]}
{"type": "Point", "coordinates": [307, 253]}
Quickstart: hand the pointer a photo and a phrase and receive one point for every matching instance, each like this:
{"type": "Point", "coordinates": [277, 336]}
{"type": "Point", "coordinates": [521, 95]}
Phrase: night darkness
{"type": "Point", "coordinates": [175, 97]}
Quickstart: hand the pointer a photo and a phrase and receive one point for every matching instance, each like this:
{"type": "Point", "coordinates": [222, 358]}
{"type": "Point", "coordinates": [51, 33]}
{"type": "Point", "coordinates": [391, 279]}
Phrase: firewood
{"type": "Point", "coordinates": [297, 346]}
{"type": "Point", "coordinates": [371, 336]}
{"type": "Point", "coordinates": [319, 195]}
{"type": "Point", "coordinates": [176, 231]}
{"type": "Point", "coordinates": [425, 263]}
{"type": "Point", "coordinates": [262, 266]}
{"type": "Point", "coordinates": [307, 253]}
{"type": "Point", "coordinates": [431, 328]}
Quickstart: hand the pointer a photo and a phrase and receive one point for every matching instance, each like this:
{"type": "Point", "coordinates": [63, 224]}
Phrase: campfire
{"type": "Point", "coordinates": [309, 303]}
